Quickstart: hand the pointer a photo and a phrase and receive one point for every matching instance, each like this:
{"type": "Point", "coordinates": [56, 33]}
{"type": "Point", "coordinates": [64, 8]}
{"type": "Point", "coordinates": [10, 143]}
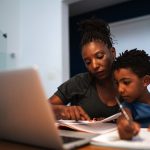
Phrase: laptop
{"type": "Point", "coordinates": [25, 114]}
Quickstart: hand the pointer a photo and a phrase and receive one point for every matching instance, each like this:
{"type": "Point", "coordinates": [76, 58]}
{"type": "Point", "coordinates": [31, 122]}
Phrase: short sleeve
{"type": "Point", "coordinates": [74, 88]}
{"type": "Point", "coordinates": [126, 105]}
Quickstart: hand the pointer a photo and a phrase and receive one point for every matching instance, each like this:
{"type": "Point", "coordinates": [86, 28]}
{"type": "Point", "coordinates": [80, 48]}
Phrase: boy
{"type": "Point", "coordinates": [132, 76]}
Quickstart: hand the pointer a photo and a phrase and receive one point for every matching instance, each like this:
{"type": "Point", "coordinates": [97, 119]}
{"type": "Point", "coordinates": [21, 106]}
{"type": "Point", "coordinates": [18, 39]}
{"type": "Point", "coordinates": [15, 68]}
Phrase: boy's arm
{"type": "Point", "coordinates": [127, 129]}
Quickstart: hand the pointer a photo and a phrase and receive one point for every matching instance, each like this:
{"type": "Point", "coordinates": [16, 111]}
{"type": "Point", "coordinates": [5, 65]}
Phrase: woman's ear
{"type": "Point", "coordinates": [113, 51]}
{"type": "Point", "coordinates": [146, 80]}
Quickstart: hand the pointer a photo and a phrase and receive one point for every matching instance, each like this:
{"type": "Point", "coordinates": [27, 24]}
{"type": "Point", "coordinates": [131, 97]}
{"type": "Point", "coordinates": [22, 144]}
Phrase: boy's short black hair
{"type": "Point", "coordinates": [137, 60]}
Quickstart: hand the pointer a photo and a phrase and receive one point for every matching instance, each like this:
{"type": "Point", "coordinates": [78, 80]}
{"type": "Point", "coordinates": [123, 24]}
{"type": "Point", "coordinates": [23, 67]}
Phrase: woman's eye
{"type": "Point", "coordinates": [87, 62]}
{"type": "Point", "coordinates": [116, 83]}
{"type": "Point", "coordinates": [99, 56]}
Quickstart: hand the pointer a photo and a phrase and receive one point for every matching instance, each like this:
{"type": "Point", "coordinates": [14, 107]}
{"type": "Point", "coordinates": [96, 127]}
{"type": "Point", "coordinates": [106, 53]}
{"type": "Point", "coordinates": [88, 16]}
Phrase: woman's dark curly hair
{"type": "Point", "coordinates": [137, 60]}
{"type": "Point", "coordinates": [95, 30]}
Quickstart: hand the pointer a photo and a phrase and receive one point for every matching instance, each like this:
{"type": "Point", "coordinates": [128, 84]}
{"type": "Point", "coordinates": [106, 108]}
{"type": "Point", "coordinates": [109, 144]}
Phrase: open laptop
{"type": "Point", "coordinates": [25, 114]}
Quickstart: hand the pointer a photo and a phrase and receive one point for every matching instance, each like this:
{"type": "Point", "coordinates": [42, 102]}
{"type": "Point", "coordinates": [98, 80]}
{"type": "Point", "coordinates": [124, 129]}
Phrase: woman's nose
{"type": "Point", "coordinates": [95, 64]}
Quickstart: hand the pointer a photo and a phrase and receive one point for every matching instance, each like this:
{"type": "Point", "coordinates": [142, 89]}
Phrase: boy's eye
{"type": "Point", "coordinates": [126, 82]}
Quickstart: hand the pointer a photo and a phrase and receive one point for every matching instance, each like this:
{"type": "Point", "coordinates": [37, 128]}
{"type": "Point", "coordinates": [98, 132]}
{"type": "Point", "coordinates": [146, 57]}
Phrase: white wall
{"type": "Point", "coordinates": [132, 33]}
{"type": "Point", "coordinates": [10, 24]}
{"type": "Point", "coordinates": [41, 39]}
{"type": "Point", "coordinates": [38, 34]}
{"type": "Point", "coordinates": [34, 29]}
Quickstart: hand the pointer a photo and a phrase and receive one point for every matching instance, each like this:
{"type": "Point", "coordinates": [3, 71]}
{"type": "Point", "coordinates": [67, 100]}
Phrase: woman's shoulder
{"type": "Point", "coordinates": [76, 85]}
{"type": "Point", "coordinates": [80, 80]}
{"type": "Point", "coordinates": [82, 76]}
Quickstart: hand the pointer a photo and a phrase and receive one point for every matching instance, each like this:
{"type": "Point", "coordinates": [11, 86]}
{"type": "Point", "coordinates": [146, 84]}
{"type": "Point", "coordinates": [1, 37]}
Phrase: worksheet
{"type": "Point", "coordinates": [98, 127]}
{"type": "Point", "coordinates": [111, 139]}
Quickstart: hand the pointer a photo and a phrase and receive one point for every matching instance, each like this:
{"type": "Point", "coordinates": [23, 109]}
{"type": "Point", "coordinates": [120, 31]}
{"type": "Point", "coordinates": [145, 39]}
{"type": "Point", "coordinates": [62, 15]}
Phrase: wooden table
{"type": "Point", "coordinates": [15, 146]}
{"type": "Point", "coordinates": [5, 145]}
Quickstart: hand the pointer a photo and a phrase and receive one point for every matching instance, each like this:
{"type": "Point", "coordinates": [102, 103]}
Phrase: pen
{"type": "Point", "coordinates": [122, 109]}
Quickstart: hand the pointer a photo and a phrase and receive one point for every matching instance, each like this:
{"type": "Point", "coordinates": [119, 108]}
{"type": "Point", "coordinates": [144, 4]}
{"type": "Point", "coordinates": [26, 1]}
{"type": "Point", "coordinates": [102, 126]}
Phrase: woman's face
{"type": "Point", "coordinates": [98, 59]}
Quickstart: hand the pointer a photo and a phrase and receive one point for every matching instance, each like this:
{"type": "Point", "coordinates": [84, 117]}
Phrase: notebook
{"type": "Point", "coordinates": [25, 114]}
{"type": "Point", "coordinates": [111, 139]}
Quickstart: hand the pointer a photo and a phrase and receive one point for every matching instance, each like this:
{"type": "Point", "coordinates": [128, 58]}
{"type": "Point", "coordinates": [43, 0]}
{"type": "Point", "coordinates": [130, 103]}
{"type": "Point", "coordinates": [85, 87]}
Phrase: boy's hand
{"type": "Point", "coordinates": [127, 129]}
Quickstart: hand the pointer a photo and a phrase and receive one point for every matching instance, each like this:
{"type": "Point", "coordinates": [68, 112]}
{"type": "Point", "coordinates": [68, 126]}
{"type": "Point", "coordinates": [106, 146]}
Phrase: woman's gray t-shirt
{"type": "Point", "coordinates": [80, 90]}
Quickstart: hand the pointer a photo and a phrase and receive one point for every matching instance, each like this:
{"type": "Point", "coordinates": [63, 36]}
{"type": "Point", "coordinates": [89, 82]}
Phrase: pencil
{"type": "Point", "coordinates": [122, 109]}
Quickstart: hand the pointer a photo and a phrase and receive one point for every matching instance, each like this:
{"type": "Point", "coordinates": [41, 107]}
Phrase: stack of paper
{"type": "Point", "coordinates": [98, 127]}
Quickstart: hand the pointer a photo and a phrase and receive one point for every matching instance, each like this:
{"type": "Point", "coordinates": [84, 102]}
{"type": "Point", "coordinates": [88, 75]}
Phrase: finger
{"type": "Point", "coordinates": [125, 130]}
{"type": "Point", "coordinates": [136, 128]}
{"type": "Point", "coordinates": [83, 113]}
{"type": "Point", "coordinates": [76, 113]}
{"type": "Point", "coordinates": [123, 134]}
{"type": "Point", "coordinates": [65, 113]}
{"type": "Point", "coordinates": [72, 113]}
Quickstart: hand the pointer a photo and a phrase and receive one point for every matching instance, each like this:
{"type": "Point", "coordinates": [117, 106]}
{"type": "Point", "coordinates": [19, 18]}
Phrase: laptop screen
{"type": "Point", "coordinates": [25, 114]}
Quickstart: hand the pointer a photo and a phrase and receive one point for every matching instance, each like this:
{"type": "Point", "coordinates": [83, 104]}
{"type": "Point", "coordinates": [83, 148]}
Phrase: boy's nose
{"type": "Point", "coordinates": [121, 89]}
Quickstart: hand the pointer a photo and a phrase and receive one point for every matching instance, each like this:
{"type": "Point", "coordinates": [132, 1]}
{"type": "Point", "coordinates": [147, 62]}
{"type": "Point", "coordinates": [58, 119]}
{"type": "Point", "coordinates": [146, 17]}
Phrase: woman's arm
{"type": "Point", "coordinates": [67, 112]}
{"type": "Point", "coordinates": [55, 100]}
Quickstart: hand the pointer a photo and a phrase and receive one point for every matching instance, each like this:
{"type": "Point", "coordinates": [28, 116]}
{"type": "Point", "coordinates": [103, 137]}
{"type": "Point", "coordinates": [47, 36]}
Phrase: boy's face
{"type": "Point", "coordinates": [129, 85]}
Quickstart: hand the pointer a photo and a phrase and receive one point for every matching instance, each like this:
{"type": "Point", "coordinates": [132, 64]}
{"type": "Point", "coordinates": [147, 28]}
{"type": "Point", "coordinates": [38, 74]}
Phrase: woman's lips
{"type": "Point", "coordinates": [100, 73]}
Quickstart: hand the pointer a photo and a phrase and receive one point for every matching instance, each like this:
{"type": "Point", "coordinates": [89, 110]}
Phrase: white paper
{"type": "Point", "coordinates": [111, 139]}
{"type": "Point", "coordinates": [113, 117]}
{"type": "Point", "coordinates": [98, 127]}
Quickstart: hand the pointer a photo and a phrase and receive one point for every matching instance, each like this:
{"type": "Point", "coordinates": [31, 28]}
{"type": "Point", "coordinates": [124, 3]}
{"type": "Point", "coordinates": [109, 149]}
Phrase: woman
{"type": "Point", "coordinates": [91, 94]}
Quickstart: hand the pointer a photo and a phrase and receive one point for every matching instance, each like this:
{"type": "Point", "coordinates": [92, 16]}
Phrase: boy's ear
{"type": "Point", "coordinates": [146, 80]}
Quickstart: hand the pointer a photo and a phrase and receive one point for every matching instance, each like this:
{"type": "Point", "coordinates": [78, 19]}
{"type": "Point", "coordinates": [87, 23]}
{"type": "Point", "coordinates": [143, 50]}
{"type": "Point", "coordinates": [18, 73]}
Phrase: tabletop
{"type": "Point", "coordinates": [7, 145]}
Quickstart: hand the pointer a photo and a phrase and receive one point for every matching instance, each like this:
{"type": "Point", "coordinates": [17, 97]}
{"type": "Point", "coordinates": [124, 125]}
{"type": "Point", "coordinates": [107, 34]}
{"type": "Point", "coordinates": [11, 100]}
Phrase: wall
{"type": "Point", "coordinates": [113, 14]}
{"type": "Point", "coordinates": [41, 39]}
{"type": "Point", "coordinates": [10, 24]}
{"type": "Point", "coordinates": [132, 33]}
{"type": "Point", "coordinates": [130, 25]}
{"type": "Point", "coordinates": [34, 29]}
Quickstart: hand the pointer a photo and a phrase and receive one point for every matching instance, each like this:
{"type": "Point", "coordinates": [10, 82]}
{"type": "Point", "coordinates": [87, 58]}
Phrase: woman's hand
{"type": "Point", "coordinates": [70, 112]}
{"type": "Point", "coordinates": [127, 129]}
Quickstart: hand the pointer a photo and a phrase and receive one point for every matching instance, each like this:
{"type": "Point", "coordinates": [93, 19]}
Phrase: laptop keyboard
{"type": "Point", "coordinates": [67, 139]}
